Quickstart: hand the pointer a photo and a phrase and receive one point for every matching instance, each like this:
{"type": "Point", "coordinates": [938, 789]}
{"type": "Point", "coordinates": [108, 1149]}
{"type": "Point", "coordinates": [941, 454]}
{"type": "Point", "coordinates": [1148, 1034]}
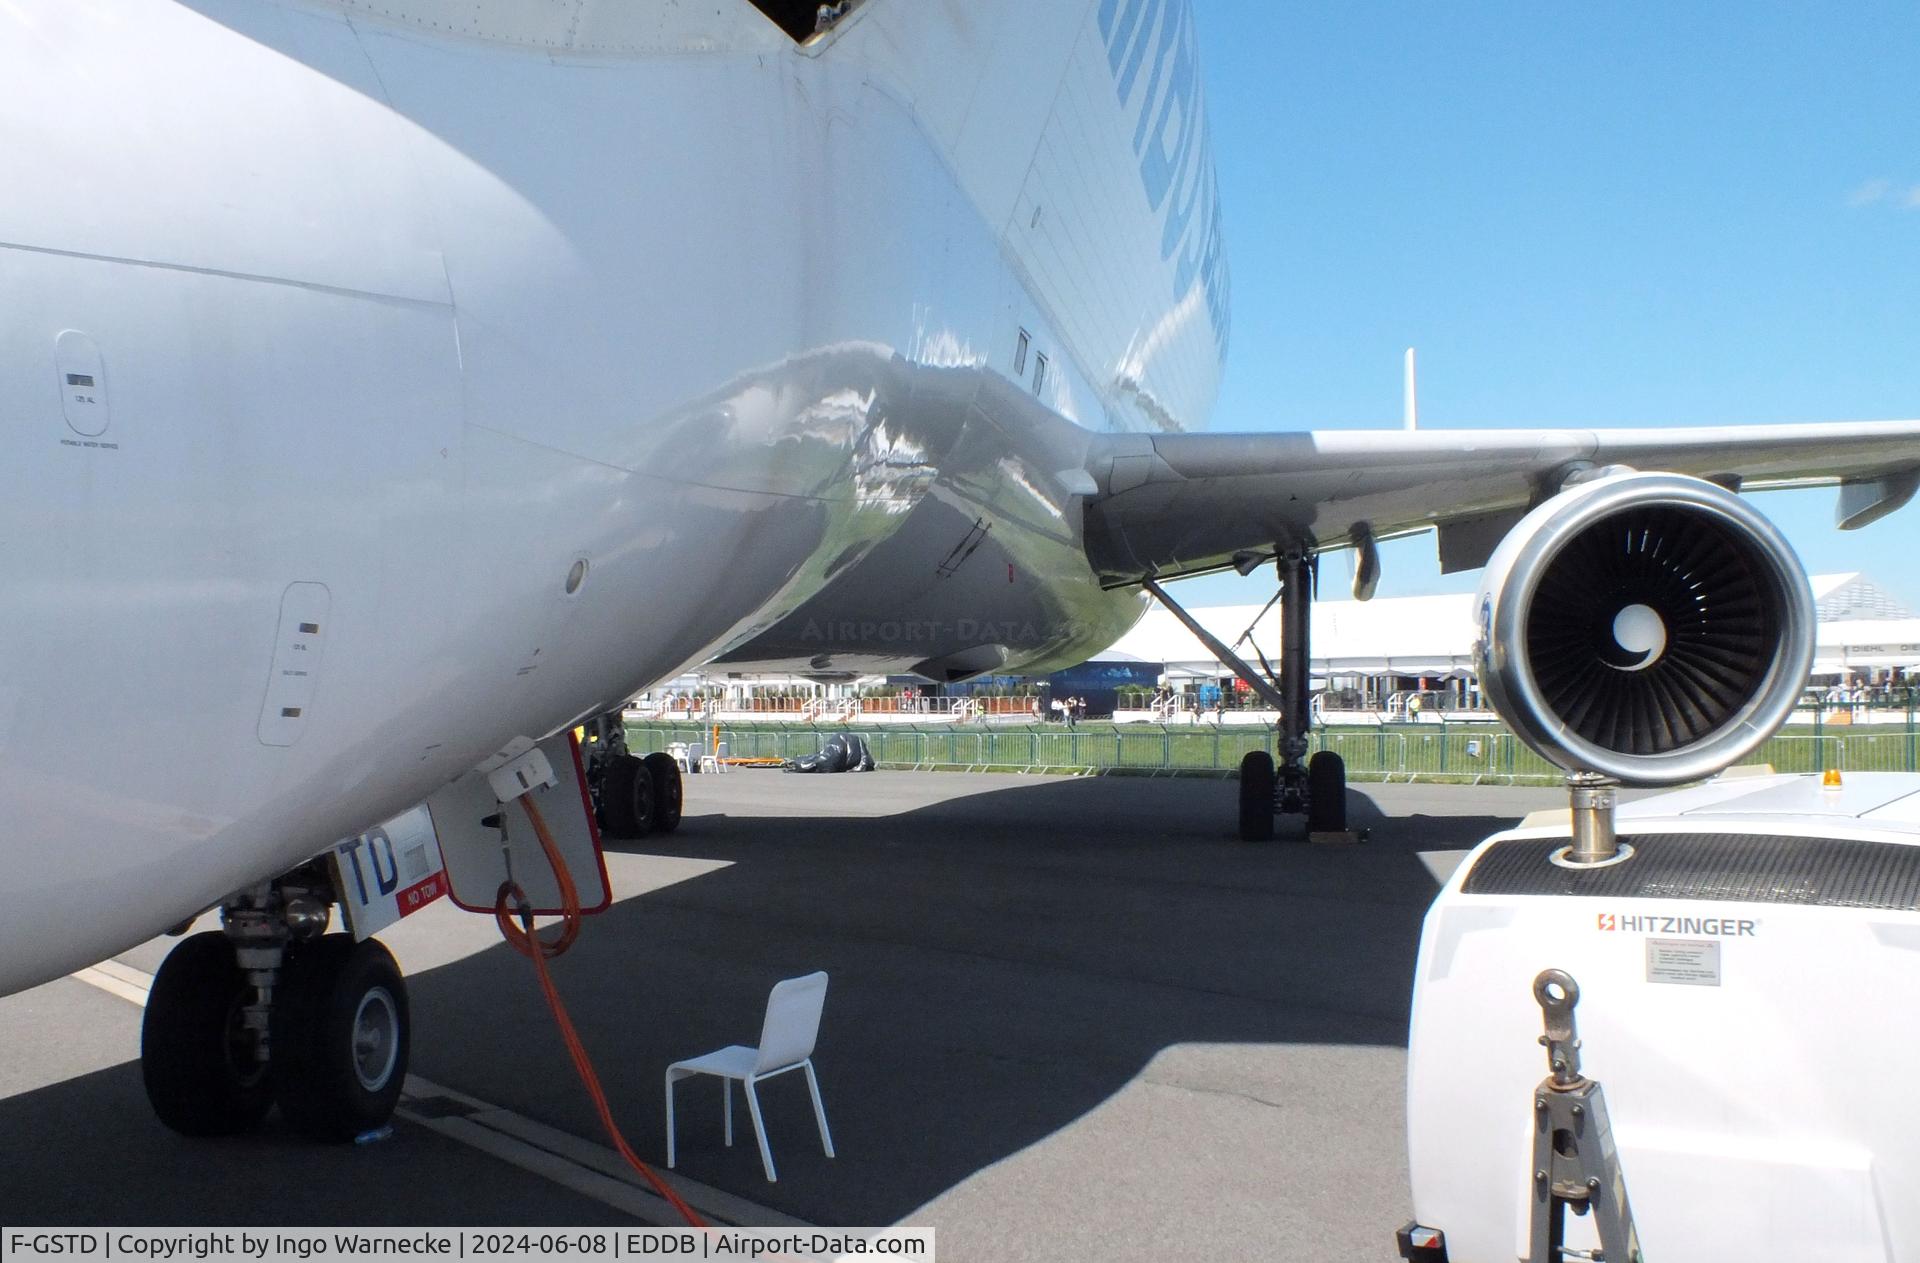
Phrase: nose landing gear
{"type": "Point", "coordinates": [197, 1059]}
{"type": "Point", "coordinates": [341, 1038]}
{"type": "Point", "coordinates": [272, 1010]}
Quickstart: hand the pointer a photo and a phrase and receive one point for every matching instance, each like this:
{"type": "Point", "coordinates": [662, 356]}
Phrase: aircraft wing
{"type": "Point", "coordinates": [1177, 504]}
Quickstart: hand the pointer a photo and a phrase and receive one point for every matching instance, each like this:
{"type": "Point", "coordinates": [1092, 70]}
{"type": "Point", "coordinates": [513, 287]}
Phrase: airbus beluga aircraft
{"type": "Point", "coordinates": [393, 385]}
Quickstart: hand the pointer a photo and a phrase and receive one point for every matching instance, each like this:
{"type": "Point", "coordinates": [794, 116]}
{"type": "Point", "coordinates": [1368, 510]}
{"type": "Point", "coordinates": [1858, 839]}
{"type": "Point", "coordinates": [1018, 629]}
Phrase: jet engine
{"type": "Point", "coordinates": [1649, 627]}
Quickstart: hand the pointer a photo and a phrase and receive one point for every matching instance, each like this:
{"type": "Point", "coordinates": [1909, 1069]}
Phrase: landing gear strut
{"type": "Point", "coordinates": [270, 1010]}
{"type": "Point", "coordinates": [1295, 785]}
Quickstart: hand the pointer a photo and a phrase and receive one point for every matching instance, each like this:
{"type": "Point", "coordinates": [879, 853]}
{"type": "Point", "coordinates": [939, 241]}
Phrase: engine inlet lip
{"type": "Point", "coordinates": [1507, 667]}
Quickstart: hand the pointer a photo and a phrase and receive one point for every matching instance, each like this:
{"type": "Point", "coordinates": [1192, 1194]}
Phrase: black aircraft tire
{"type": "Point", "coordinates": [341, 1037]}
{"type": "Point", "coordinates": [627, 798]}
{"type": "Point", "coordinates": [1326, 793]}
{"type": "Point", "coordinates": [1256, 797]}
{"type": "Point", "coordinates": [200, 1070]}
{"type": "Point", "coordinates": [668, 794]}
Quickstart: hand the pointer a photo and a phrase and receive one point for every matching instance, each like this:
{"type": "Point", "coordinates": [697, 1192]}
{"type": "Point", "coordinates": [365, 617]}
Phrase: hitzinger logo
{"type": "Point", "coordinates": [1637, 923]}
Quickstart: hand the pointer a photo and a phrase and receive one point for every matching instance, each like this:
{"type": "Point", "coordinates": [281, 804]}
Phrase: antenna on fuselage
{"type": "Point", "coordinates": [1410, 411]}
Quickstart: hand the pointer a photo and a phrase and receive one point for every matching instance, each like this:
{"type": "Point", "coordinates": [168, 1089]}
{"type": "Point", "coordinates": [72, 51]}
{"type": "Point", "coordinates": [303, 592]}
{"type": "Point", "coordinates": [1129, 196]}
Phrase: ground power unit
{"type": "Point", "coordinates": [1710, 1038]}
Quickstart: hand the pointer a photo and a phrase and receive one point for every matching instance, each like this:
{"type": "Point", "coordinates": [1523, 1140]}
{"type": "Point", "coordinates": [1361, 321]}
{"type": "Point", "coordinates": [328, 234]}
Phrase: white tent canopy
{"type": "Point", "coordinates": [1408, 635]}
{"type": "Point", "coordinates": [1866, 644]}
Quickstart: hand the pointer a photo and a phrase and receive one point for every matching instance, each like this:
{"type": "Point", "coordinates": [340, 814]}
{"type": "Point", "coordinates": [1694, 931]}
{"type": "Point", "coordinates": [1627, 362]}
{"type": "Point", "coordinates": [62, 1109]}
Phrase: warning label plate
{"type": "Point", "coordinates": [1687, 961]}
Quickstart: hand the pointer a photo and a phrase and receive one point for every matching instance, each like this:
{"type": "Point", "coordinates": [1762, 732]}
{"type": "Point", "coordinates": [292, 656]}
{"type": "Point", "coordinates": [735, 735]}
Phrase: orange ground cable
{"type": "Point", "coordinates": [524, 940]}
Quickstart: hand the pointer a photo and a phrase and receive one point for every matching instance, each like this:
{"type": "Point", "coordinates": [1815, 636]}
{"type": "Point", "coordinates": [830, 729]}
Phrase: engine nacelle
{"type": "Point", "coordinates": [1650, 627]}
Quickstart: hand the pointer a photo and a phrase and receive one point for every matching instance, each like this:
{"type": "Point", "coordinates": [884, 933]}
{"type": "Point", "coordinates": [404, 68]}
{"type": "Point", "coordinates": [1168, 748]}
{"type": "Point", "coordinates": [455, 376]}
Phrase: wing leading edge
{"type": "Point", "coordinates": [1178, 504]}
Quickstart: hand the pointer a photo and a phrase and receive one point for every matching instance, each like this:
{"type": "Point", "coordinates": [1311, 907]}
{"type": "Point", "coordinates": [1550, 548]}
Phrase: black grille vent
{"type": "Point", "coordinates": [1823, 872]}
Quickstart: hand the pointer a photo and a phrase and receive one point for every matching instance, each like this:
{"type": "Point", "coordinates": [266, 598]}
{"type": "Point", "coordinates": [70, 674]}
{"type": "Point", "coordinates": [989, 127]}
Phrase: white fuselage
{"type": "Point", "coordinates": [332, 344]}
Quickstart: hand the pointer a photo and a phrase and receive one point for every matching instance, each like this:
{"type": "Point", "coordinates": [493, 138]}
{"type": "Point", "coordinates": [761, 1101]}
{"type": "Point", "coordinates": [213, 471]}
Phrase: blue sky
{"type": "Point", "coordinates": [1622, 214]}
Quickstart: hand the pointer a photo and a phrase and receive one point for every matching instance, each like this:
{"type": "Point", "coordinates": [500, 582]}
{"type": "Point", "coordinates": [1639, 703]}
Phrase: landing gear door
{"type": "Point", "coordinates": [476, 862]}
{"type": "Point", "coordinates": [390, 871]}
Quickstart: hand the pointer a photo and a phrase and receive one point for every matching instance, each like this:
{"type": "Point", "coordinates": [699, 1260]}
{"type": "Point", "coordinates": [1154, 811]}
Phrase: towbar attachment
{"type": "Point", "coordinates": [1575, 1164]}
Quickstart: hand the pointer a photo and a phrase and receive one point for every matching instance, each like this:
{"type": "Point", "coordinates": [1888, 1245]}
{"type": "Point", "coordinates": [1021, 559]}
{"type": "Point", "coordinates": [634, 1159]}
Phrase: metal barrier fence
{"type": "Point", "coordinates": [1477, 752]}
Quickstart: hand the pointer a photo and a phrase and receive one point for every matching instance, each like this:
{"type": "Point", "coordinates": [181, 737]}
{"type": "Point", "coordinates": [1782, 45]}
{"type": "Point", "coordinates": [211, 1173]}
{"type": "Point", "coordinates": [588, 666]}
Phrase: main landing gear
{"type": "Point", "coordinates": [272, 1010]}
{"type": "Point", "coordinates": [1263, 793]}
{"type": "Point", "coordinates": [1294, 784]}
{"type": "Point", "coordinates": [634, 796]}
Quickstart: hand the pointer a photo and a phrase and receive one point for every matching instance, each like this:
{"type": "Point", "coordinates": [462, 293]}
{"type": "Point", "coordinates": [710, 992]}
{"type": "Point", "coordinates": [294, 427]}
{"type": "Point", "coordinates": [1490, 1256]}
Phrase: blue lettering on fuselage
{"type": "Point", "coordinates": [1156, 38]}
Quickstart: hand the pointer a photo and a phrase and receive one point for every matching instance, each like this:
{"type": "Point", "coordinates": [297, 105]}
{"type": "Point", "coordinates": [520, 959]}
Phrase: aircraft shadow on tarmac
{"type": "Point", "coordinates": [1002, 964]}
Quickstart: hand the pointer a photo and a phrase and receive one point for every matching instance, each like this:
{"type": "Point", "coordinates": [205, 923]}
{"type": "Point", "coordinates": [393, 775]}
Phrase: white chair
{"type": "Point", "coordinates": [786, 1043]}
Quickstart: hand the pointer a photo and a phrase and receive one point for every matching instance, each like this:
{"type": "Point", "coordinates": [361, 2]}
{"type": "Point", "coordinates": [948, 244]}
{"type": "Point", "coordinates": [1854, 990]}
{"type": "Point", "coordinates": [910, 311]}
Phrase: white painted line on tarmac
{"type": "Point", "coordinates": [642, 1204]}
{"type": "Point", "coordinates": [115, 978]}
{"type": "Point", "coordinates": [713, 1202]}
{"type": "Point", "coordinates": [562, 1158]}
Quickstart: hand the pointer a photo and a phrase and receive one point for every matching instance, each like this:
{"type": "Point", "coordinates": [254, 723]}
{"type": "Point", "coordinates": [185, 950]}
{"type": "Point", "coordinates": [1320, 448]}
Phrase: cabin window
{"type": "Point", "coordinates": [1020, 355]}
{"type": "Point", "coordinates": [1039, 373]}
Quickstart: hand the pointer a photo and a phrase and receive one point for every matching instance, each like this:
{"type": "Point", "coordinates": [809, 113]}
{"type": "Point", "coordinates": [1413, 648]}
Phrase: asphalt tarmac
{"type": "Point", "coordinates": [1068, 1019]}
